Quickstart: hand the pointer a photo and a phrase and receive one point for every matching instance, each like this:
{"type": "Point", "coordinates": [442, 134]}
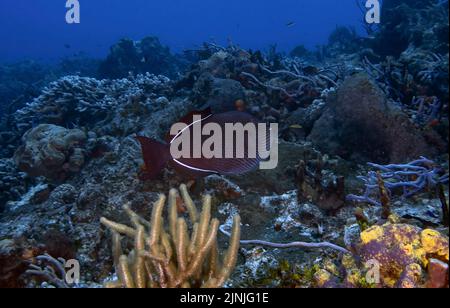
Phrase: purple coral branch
{"type": "Point", "coordinates": [289, 73]}
{"type": "Point", "coordinates": [398, 176]}
{"type": "Point", "coordinates": [427, 112]}
{"type": "Point", "coordinates": [48, 272]}
{"type": "Point", "coordinates": [290, 245]}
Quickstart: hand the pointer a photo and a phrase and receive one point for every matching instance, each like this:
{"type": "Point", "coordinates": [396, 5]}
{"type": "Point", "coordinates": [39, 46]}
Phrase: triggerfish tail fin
{"type": "Point", "coordinates": [155, 154]}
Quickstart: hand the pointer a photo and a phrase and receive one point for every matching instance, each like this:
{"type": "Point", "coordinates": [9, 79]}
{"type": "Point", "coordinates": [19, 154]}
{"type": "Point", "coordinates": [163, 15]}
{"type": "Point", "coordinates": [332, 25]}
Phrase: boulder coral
{"type": "Point", "coordinates": [362, 124]}
{"type": "Point", "coordinates": [51, 151]}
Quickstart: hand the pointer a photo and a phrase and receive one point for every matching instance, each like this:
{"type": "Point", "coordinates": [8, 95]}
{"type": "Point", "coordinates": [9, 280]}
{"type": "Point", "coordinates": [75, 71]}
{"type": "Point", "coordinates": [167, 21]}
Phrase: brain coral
{"type": "Point", "coordinates": [51, 151]}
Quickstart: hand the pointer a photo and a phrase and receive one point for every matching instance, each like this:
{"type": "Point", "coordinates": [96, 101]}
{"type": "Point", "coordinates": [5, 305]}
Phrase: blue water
{"type": "Point", "coordinates": [37, 29]}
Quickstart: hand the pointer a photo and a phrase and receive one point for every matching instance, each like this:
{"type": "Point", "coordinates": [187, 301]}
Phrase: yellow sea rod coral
{"type": "Point", "coordinates": [402, 251]}
{"type": "Point", "coordinates": [172, 258]}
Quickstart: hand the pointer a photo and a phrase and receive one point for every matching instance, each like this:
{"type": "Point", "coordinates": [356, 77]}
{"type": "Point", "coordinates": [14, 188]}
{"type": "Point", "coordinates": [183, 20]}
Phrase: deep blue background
{"type": "Point", "coordinates": [37, 29]}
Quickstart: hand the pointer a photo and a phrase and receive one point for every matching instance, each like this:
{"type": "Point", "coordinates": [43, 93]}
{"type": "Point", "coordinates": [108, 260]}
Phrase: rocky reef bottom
{"type": "Point", "coordinates": [275, 207]}
{"type": "Point", "coordinates": [359, 198]}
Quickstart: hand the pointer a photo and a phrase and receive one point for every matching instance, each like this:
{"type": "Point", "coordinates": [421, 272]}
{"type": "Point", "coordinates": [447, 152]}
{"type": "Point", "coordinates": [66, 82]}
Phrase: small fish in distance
{"type": "Point", "coordinates": [290, 24]}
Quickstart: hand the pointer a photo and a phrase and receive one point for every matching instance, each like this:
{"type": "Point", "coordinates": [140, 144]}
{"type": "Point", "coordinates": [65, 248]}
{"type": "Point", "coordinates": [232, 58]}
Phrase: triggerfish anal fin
{"type": "Point", "coordinates": [156, 155]}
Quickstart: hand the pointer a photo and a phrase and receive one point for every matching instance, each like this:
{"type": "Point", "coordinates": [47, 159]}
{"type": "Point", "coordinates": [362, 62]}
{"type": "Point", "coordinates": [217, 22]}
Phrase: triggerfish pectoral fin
{"type": "Point", "coordinates": [155, 154]}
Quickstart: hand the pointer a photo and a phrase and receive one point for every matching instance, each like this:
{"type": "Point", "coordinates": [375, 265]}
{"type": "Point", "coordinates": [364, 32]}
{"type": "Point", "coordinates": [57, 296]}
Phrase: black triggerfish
{"type": "Point", "coordinates": [226, 153]}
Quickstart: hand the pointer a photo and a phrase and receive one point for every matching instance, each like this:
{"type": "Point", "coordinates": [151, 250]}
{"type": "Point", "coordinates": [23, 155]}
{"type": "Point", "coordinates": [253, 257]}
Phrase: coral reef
{"type": "Point", "coordinates": [328, 194]}
{"type": "Point", "coordinates": [403, 251]}
{"type": "Point", "coordinates": [409, 52]}
{"type": "Point", "coordinates": [343, 40]}
{"type": "Point", "coordinates": [300, 52]}
{"type": "Point", "coordinates": [63, 101]}
{"type": "Point", "coordinates": [74, 100]}
{"type": "Point", "coordinates": [51, 270]}
{"type": "Point", "coordinates": [271, 91]}
{"type": "Point", "coordinates": [13, 183]}
{"type": "Point", "coordinates": [404, 25]}
{"type": "Point", "coordinates": [360, 123]}
{"type": "Point", "coordinates": [171, 258]}
{"type": "Point", "coordinates": [393, 255]}
{"type": "Point", "coordinates": [20, 82]}
{"type": "Point", "coordinates": [145, 56]}
{"type": "Point", "coordinates": [358, 99]}
{"type": "Point", "coordinates": [408, 179]}
{"type": "Point", "coordinates": [51, 151]}
{"type": "Point", "coordinates": [11, 263]}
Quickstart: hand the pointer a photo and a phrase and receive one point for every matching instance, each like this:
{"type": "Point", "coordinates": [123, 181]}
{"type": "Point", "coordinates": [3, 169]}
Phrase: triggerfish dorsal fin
{"type": "Point", "coordinates": [189, 118]}
{"type": "Point", "coordinates": [156, 155]}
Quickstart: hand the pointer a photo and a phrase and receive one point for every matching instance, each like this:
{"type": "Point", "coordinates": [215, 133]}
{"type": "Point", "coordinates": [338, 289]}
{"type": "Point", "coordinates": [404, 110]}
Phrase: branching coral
{"type": "Point", "coordinates": [415, 79]}
{"type": "Point", "coordinates": [433, 66]}
{"type": "Point", "coordinates": [50, 269]}
{"type": "Point", "coordinates": [171, 258]}
{"type": "Point", "coordinates": [267, 86]}
{"type": "Point", "coordinates": [77, 100]}
{"type": "Point", "coordinates": [411, 49]}
{"type": "Point", "coordinates": [388, 76]}
{"type": "Point", "coordinates": [71, 94]}
{"type": "Point", "coordinates": [428, 109]}
{"type": "Point", "coordinates": [301, 79]}
{"type": "Point", "coordinates": [411, 179]}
